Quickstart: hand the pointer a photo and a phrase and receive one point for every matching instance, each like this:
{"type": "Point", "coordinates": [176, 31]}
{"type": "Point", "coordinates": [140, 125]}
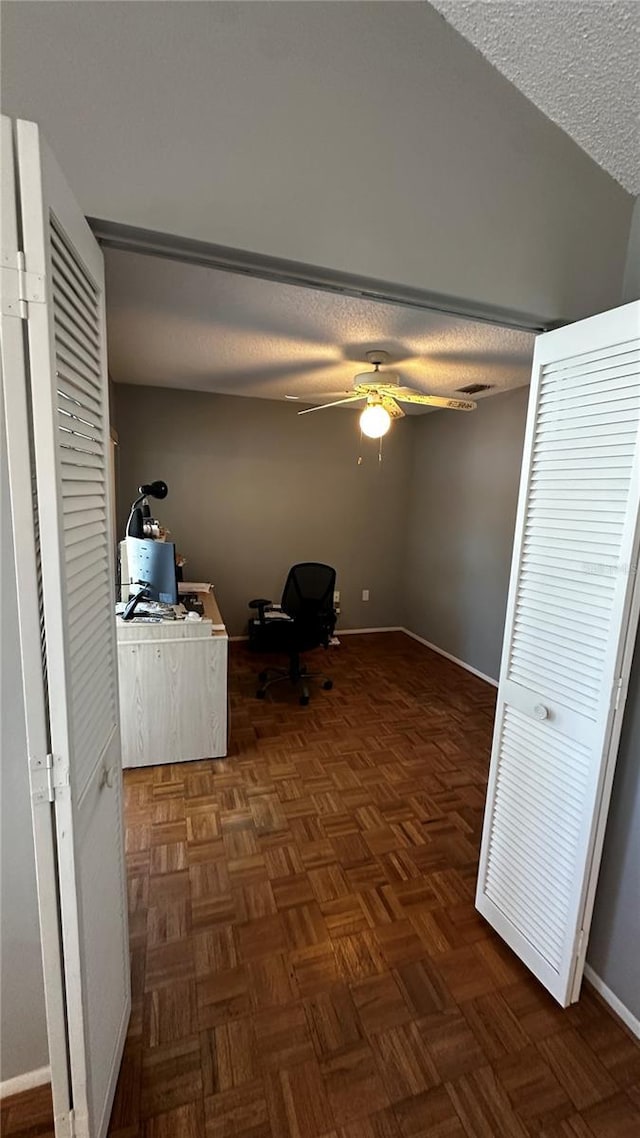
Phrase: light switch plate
{"type": "Point", "coordinates": [365, 594]}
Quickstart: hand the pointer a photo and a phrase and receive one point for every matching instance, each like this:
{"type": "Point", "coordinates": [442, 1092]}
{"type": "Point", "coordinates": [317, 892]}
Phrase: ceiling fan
{"type": "Point", "coordinates": [384, 395]}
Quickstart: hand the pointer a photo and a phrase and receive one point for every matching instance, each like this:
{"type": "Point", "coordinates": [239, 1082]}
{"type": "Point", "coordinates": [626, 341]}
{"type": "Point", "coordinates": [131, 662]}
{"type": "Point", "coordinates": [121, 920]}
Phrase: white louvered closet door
{"type": "Point", "coordinates": [570, 630]}
{"type": "Point", "coordinates": [70, 453]}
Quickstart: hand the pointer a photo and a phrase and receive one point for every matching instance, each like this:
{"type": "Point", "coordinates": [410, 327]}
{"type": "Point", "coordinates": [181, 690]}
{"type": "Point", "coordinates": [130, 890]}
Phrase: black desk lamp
{"type": "Point", "coordinates": [156, 489]}
{"type": "Point", "coordinates": [134, 601]}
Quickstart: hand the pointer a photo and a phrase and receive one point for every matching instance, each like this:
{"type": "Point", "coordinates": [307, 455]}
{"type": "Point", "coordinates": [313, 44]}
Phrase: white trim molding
{"type": "Point", "coordinates": [343, 632]}
{"type": "Point", "coordinates": [26, 1082]}
{"type": "Point", "coordinates": [614, 1002]}
{"type": "Point", "coordinates": [362, 631]}
{"type": "Point", "coordinates": [448, 656]}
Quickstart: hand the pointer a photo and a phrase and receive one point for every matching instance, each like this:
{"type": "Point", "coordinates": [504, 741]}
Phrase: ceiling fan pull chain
{"type": "Point", "coordinates": [380, 451]}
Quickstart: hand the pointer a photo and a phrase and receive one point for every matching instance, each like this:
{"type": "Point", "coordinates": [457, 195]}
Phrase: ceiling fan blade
{"type": "Point", "coordinates": [325, 406]}
{"type": "Point", "coordinates": [406, 395]}
{"type": "Point", "coordinates": [392, 407]}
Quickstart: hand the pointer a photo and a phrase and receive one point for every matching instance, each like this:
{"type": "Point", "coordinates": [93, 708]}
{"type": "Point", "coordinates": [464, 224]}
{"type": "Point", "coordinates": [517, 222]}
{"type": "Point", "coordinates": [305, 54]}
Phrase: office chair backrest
{"type": "Point", "coordinates": [308, 590]}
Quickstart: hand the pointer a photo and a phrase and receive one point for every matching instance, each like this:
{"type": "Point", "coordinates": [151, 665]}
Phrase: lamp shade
{"type": "Point", "coordinates": [375, 421]}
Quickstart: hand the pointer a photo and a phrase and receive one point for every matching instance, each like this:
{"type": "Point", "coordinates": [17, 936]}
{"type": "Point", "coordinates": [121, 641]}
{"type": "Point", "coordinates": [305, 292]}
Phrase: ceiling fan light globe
{"type": "Point", "coordinates": [375, 421]}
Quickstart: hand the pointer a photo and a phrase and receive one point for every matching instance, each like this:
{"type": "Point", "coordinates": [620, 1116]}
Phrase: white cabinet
{"type": "Point", "coordinates": [173, 690]}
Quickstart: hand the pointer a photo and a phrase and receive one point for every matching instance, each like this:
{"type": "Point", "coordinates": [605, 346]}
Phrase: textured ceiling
{"type": "Point", "coordinates": [578, 62]}
{"type": "Point", "coordinates": [178, 325]}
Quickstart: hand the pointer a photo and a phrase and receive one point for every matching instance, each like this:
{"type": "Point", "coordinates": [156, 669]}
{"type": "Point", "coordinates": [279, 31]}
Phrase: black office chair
{"type": "Point", "coordinates": [307, 622]}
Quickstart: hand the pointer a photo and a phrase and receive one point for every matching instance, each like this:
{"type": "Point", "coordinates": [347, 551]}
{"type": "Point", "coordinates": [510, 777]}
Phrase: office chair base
{"type": "Point", "coordinates": [298, 679]}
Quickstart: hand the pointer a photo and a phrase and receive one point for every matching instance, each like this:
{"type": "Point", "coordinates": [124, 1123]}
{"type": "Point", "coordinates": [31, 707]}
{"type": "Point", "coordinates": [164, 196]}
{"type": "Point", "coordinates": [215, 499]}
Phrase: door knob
{"type": "Point", "coordinates": [540, 711]}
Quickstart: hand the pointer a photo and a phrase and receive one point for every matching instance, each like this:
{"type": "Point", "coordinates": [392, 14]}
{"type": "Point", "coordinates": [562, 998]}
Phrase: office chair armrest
{"type": "Point", "coordinates": [261, 604]}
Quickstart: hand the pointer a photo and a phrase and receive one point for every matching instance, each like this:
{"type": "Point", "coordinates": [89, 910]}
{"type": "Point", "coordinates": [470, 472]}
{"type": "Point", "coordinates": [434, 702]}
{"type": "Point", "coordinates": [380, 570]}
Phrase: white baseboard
{"type": "Point", "coordinates": [26, 1082]}
{"type": "Point", "coordinates": [344, 632]}
{"type": "Point", "coordinates": [448, 656]}
{"type": "Point", "coordinates": [361, 631]}
{"type": "Point", "coordinates": [610, 998]}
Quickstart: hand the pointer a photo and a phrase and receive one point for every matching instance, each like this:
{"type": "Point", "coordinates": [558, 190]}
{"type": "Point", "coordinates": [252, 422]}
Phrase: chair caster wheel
{"type": "Point", "coordinates": [327, 685]}
{"type": "Point", "coordinates": [304, 699]}
{"type": "Point", "coordinates": [261, 693]}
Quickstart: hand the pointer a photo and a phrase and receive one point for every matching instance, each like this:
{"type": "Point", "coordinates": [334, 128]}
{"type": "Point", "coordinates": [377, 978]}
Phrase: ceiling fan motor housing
{"type": "Point", "coordinates": [377, 357]}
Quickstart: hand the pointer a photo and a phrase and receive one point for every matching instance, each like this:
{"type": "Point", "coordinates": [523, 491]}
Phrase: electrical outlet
{"type": "Point", "coordinates": [365, 594]}
{"type": "Point", "coordinates": [336, 597]}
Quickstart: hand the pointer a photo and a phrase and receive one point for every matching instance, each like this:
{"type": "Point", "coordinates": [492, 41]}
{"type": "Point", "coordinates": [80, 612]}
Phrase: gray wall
{"type": "Point", "coordinates": [254, 488]}
{"type": "Point", "coordinates": [631, 288]}
{"type": "Point", "coordinates": [615, 934]}
{"type": "Point", "coordinates": [614, 944]}
{"type": "Point", "coordinates": [23, 1033]}
{"type": "Point", "coordinates": [462, 506]}
{"type": "Point", "coordinates": [367, 137]}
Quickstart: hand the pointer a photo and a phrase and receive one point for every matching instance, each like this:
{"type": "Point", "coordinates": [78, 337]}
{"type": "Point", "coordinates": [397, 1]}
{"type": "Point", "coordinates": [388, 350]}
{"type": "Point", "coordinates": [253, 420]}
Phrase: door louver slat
{"type": "Point", "coordinates": [77, 336]}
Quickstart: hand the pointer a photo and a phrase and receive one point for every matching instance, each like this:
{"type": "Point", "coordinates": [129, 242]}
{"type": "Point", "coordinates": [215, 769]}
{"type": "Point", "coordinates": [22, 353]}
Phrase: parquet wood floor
{"type": "Point", "coordinates": [307, 961]}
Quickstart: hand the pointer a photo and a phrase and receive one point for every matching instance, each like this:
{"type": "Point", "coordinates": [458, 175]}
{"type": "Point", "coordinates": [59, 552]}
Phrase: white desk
{"type": "Point", "coordinates": [172, 679]}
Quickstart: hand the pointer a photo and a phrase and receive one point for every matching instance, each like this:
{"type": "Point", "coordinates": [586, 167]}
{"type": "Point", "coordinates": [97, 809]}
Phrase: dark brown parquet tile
{"type": "Point", "coordinates": [169, 962]}
{"type": "Point", "coordinates": [580, 1071]}
{"type": "Point", "coordinates": [483, 1106]}
{"type": "Point", "coordinates": [405, 1062]}
{"type": "Point", "coordinates": [383, 1124]}
{"type": "Point", "coordinates": [272, 981]}
{"type": "Point", "coordinates": [614, 1117]}
{"type": "Point", "coordinates": [451, 1044]}
{"type": "Point", "coordinates": [186, 1121]}
{"type": "Point", "coordinates": [307, 961]}
{"type": "Point", "coordinates": [423, 987]}
{"type": "Point", "coordinates": [223, 996]}
{"type": "Point", "coordinates": [428, 1114]}
{"type": "Point", "coordinates": [264, 936]}
{"type": "Point", "coordinates": [293, 890]}
{"type": "Point", "coordinates": [533, 1088]}
{"type": "Point", "coordinates": [345, 916]}
{"type": "Point", "coordinates": [171, 1076]}
{"type": "Point", "coordinates": [29, 1115]}
{"type": "Point", "coordinates": [229, 1056]}
{"type": "Point", "coordinates": [297, 1102]}
{"type": "Point", "coordinates": [572, 1127]}
{"type": "Point", "coordinates": [170, 1013]}
{"type": "Point", "coordinates": [399, 943]}
{"type": "Point", "coordinates": [303, 925]}
{"type": "Point", "coordinates": [283, 1037]}
{"type": "Point", "coordinates": [214, 950]}
{"type": "Point", "coordinates": [238, 1113]}
{"type": "Point", "coordinates": [496, 1027]}
{"type": "Point", "coordinates": [354, 1085]}
{"type": "Point", "coordinates": [333, 1020]}
{"type": "Point", "coordinates": [359, 956]}
{"type": "Point", "coordinates": [167, 922]}
{"type": "Point", "coordinates": [380, 1003]}
{"type": "Point", "coordinates": [315, 968]}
